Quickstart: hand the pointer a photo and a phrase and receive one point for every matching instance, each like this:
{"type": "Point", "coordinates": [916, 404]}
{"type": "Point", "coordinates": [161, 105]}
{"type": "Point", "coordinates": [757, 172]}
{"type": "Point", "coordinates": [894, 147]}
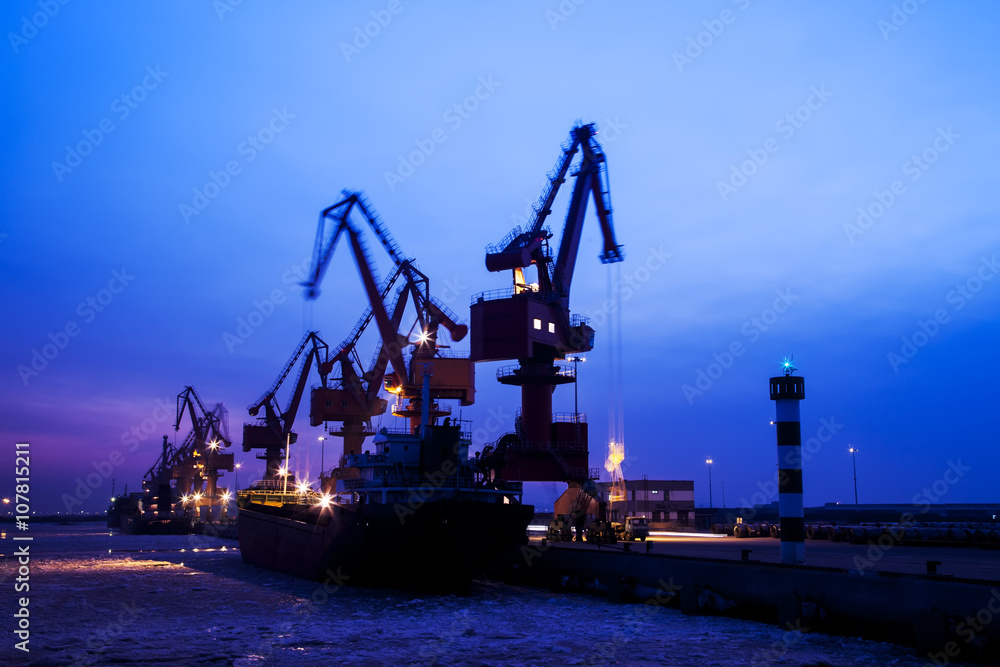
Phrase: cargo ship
{"type": "Point", "coordinates": [416, 513]}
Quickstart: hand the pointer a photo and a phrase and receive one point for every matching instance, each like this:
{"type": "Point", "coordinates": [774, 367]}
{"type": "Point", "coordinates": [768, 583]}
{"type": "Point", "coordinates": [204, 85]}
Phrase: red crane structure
{"type": "Point", "coordinates": [531, 322]}
{"type": "Point", "coordinates": [195, 465]}
{"type": "Point", "coordinates": [399, 362]}
{"type": "Point", "coordinates": [273, 430]}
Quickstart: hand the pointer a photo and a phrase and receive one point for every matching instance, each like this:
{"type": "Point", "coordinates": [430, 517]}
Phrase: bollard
{"type": "Point", "coordinates": [745, 554]}
{"type": "Point", "coordinates": [932, 566]}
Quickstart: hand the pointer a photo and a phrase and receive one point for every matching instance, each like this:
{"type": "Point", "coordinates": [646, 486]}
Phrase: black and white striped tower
{"type": "Point", "coordinates": [786, 392]}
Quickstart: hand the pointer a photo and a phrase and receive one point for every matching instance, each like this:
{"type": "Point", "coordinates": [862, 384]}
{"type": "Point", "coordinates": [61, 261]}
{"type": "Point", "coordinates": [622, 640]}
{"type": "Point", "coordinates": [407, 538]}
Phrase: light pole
{"type": "Point", "coordinates": [709, 462]}
{"type": "Point", "coordinates": [854, 460]}
{"type": "Point", "coordinates": [322, 454]}
{"type": "Point", "coordinates": [237, 468]}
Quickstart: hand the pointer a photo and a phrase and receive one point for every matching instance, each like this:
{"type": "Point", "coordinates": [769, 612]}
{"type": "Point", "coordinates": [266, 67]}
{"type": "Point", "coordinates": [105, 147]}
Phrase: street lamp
{"type": "Point", "coordinates": [854, 450]}
{"type": "Point", "coordinates": [237, 467]}
{"type": "Point", "coordinates": [709, 462]}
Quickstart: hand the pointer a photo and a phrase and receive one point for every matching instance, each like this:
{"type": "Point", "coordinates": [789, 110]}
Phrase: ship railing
{"type": "Point", "coordinates": [438, 354]}
{"type": "Point", "coordinates": [395, 431]}
{"type": "Point", "coordinates": [531, 446]}
{"type": "Point", "coordinates": [505, 293]}
{"type": "Point", "coordinates": [536, 370]}
{"type": "Point", "coordinates": [266, 484]}
{"type": "Point", "coordinates": [569, 417]}
{"type": "Point", "coordinates": [401, 409]}
{"type": "Point", "coordinates": [409, 481]}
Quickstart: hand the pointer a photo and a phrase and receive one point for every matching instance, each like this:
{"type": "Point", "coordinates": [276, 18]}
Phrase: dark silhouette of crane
{"type": "Point", "coordinates": [194, 466]}
{"type": "Point", "coordinates": [531, 322]}
{"type": "Point", "coordinates": [273, 431]}
{"type": "Point", "coordinates": [399, 362]}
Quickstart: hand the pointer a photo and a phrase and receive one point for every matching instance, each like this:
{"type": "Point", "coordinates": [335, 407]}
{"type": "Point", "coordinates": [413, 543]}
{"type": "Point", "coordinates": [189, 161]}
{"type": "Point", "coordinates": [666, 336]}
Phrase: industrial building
{"type": "Point", "coordinates": [660, 501]}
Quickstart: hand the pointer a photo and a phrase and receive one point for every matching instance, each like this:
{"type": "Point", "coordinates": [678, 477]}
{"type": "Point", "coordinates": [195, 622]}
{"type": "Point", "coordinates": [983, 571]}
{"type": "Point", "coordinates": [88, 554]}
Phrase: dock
{"type": "Point", "coordinates": [938, 599]}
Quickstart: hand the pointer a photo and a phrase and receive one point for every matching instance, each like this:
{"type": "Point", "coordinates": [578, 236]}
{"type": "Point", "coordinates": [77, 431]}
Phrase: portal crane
{"type": "Point", "coordinates": [202, 454]}
{"type": "Point", "coordinates": [156, 482]}
{"type": "Point", "coordinates": [395, 365]}
{"type": "Point", "coordinates": [531, 322]}
{"type": "Point", "coordinates": [273, 430]}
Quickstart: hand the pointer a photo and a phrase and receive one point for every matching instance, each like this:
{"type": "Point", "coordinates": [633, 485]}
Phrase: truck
{"type": "Point", "coordinates": [602, 532]}
{"type": "Point", "coordinates": [559, 531]}
{"type": "Point", "coordinates": [634, 528]}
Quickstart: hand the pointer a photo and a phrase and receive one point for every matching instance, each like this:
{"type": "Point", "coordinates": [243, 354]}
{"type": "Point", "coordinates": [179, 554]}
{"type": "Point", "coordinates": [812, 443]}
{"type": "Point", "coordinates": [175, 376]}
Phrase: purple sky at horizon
{"type": "Point", "coordinates": [833, 163]}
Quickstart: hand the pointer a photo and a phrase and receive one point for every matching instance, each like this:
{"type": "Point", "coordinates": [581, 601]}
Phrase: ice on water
{"type": "Point", "coordinates": [154, 600]}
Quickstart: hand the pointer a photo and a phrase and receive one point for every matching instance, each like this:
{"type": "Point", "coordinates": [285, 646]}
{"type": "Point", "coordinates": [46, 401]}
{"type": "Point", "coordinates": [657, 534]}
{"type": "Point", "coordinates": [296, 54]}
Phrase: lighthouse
{"type": "Point", "coordinates": [786, 392]}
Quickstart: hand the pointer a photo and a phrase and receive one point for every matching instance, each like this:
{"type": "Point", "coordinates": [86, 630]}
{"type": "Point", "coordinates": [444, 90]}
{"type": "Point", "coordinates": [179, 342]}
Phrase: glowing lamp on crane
{"type": "Point", "coordinates": [197, 497]}
{"type": "Point", "coordinates": [423, 337]}
{"type": "Point", "coordinates": [613, 464]}
{"type": "Point", "coordinates": [302, 487]}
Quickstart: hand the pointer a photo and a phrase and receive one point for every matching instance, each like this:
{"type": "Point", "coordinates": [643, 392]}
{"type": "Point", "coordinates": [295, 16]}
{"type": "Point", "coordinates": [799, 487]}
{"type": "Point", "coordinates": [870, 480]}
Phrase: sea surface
{"type": "Point", "coordinates": [101, 598]}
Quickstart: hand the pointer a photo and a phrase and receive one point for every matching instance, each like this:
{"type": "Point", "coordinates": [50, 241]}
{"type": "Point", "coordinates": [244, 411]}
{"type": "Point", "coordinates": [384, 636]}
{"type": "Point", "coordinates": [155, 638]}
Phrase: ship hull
{"type": "Point", "coordinates": [440, 544]}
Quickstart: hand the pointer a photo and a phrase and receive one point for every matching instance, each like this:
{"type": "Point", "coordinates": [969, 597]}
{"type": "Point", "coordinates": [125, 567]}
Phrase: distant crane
{"type": "Point", "coordinates": [273, 430]}
{"type": "Point", "coordinates": [531, 322]}
{"type": "Point", "coordinates": [200, 456]}
{"type": "Point", "coordinates": [399, 362]}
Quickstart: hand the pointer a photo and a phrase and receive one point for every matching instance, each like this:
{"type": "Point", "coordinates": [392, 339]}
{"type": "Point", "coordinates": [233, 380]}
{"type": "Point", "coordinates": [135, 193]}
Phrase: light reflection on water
{"type": "Point", "coordinates": [93, 539]}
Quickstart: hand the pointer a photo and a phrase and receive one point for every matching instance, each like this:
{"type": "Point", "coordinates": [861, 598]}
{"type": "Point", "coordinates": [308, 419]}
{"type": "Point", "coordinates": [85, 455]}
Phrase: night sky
{"type": "Point", "coordinates": [808, 179]}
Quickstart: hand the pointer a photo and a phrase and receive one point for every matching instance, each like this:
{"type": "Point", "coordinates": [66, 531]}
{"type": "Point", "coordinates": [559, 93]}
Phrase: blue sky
{"type": "Point", "coordinates": [742, 140]}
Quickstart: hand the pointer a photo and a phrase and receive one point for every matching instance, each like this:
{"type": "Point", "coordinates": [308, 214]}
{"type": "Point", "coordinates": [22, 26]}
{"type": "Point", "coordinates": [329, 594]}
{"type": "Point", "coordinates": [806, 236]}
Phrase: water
{"type": "Point", "coordinates": [101, 598]}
